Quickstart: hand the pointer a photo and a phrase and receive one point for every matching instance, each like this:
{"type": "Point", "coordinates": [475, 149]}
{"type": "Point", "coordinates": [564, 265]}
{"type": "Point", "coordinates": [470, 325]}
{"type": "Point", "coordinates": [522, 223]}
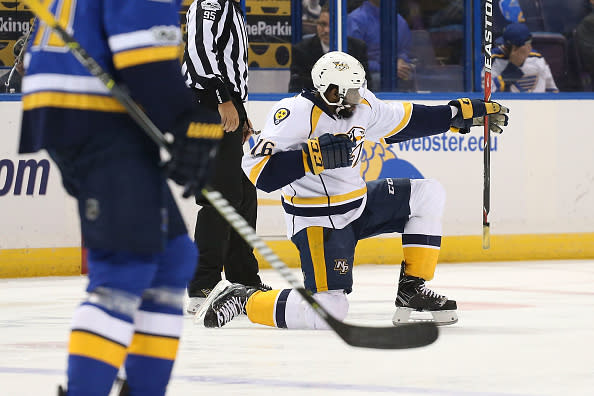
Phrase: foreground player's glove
{"type": "Point", "coordinates": [328, 152]}
{"type": "Point", "coordinates": [471, 112]}
{"type": "Point", "coordinates": [192, 154]}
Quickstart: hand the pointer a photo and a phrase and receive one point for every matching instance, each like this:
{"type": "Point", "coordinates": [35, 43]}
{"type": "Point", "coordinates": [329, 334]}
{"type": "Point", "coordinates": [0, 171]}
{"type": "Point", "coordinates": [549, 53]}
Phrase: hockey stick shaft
{"type": "Point", "coordinates": [409, 336]}
{"type": "Point", "coordinates": [488, 43]}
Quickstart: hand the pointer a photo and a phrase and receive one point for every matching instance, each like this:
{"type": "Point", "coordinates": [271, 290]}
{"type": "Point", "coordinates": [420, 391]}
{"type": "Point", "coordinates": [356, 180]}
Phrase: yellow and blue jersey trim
{"type": "Point", "coordinates": [323, 205]}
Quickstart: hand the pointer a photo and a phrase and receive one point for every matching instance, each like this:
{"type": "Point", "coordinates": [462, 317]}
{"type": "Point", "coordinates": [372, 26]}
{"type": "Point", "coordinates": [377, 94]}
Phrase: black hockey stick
{"type": "Point", "coordinates": [407, 336]}
{"type": "Point", "coordinates": [488, 45]}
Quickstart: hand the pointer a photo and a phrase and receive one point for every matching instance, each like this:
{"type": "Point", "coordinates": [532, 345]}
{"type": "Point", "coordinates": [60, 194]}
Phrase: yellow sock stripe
{"type": "Point", "coordinates": [96, 347]}
{"type": "Point", "coordinates": [154, 346]}
{"type": "Point", "coordinates": [420, 261]}
{"type": "Point", "coordinates": [315, 237]}
{"type": "Point", "coordinates": [260, 307]}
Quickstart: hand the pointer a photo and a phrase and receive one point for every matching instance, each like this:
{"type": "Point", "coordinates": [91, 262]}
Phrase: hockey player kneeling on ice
{"type": "Point", "coordinates": [310, 148]}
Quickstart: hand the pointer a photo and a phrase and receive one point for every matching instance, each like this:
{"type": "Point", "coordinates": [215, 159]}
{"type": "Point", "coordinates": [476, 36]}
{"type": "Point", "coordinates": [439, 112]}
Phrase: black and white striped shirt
{"type": "Point", "coordinates": [215, 57]}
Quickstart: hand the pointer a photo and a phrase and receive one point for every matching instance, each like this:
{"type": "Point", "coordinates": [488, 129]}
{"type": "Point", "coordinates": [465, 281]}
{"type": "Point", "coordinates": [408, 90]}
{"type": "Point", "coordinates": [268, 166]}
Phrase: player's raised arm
{"type": "Point", "coordinates": [406, 121]}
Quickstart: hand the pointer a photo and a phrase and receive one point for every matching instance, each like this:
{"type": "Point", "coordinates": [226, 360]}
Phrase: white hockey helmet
{"type": "Point", "coordinates": [342, 70]}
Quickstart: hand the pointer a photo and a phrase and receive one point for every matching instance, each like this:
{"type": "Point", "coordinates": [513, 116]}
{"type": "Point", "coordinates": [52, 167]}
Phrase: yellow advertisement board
{"type": "Point", "coordinates": [269, 33]}
{"type": "Point", "coordinates": [15, 21]}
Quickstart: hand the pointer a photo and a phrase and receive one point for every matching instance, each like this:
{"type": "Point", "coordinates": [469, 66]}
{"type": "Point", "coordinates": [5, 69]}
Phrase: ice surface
{"type": "Point", "coordinates": [525, 328]}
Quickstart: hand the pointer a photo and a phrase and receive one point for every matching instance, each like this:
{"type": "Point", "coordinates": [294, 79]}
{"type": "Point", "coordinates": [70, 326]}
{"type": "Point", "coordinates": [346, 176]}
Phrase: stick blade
{"type": "Point", "coordinates": [407, 336]}
{"type": "Point", "coordinates": [413, 335]}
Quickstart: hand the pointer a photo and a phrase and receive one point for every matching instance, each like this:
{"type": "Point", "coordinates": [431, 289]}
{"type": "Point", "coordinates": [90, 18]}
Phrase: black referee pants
{"type": "Point", "coordinates": [219, 245]}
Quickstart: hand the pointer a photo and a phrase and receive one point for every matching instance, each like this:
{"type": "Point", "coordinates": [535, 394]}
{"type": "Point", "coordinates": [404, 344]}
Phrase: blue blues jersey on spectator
{"type": "Point", "coordinates": [511, 10]}
{"type": "Point", "coordinates": [63, 103]}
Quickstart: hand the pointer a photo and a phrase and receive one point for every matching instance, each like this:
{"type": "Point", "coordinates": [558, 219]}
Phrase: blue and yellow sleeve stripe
{"type": "Point", "coordinates": [408, 107]}
{"type": "Point", "coordinates": [141, 56]}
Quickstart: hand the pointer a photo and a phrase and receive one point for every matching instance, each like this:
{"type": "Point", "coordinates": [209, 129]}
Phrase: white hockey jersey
{"type": "Point", "coordinates": [335, 197]}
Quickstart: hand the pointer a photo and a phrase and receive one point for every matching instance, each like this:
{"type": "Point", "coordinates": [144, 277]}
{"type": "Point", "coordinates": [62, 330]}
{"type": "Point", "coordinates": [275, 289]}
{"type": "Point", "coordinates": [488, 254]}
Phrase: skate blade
{"type": "Point", "coordinates": [199, 316]}
{"type": "Point", "coordinates": [193, 307]}
{"type": "Point", "coordinates": [404, 316]}
{"type": "Point", "coordinates": [444, 318]}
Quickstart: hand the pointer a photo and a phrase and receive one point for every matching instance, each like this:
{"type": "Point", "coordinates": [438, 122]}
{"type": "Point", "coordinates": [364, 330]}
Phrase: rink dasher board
{"type": "Point", "coordinates": [542, 193]}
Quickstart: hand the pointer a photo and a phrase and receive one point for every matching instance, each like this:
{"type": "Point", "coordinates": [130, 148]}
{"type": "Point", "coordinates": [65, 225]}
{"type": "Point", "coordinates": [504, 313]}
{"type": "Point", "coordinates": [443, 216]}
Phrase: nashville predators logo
{"type": "Point", "coordinates": [280, 115]}
{"type": "Point", "coordinates": [340, 65]}
{"type": "Point", "coordinates": [341, 265]}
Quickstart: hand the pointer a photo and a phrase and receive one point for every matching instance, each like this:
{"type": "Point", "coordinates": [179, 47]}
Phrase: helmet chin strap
{"type": "Point", "coordinates": [325, 99]}
{"type": "Point", "coordinates": [340, 105]}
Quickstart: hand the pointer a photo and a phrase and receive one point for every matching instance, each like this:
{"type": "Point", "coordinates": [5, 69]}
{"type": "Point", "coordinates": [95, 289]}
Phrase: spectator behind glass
{"type": "Point", "coordinates": [516, 67]}
{"type": "Point", "coordinates": [311, 9]}
{"type": "Point", "coordinates": [308, 51]}
{"type": "Point", "coordinates": [11, 81]}
{"type": "Point", "coordinates": [352, 4]}
{"type": "Point", "coordinates": [364, 23]}
{"type": "Point", "coordinates": [584, 36]}
{"type": "Point", "coordinates": [506, 12]}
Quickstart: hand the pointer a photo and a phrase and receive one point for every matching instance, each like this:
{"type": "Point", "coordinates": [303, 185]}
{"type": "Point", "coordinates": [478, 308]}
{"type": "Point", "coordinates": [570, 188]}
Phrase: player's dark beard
{"type": "Point", "coordinates": [346, 112]}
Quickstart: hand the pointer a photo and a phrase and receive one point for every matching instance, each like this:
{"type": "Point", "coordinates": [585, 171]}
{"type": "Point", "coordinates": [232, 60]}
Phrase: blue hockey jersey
{"type": "Point", "coordinates": [136, 41]}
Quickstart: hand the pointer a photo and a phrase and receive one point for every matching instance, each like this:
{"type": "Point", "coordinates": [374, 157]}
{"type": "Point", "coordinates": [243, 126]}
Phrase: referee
{"type": "Point", "coordinates": [215, 67]}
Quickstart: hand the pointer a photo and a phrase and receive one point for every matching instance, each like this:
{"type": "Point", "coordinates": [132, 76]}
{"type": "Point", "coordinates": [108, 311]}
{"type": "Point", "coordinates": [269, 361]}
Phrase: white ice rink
{"type": "Point", "coordinates": [525, 328]}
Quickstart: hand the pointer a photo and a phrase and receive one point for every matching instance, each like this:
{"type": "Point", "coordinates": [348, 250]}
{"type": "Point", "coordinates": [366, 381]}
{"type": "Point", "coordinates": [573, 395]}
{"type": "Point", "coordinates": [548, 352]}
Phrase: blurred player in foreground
{"type": "Point", "coordinates": [140, 257]}
{"type": "Point", "coordinates": [310, 148]}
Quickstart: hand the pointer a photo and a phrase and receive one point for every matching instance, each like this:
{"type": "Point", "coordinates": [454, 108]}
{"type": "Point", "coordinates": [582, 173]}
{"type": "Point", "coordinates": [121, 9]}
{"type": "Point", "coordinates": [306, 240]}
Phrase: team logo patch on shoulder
{"type": "Point", "coordinates": [210, 5]}
{"type": "Point", "coordinates": [280, 115]}
{"type": "Point", "coordinates": [166, 34]}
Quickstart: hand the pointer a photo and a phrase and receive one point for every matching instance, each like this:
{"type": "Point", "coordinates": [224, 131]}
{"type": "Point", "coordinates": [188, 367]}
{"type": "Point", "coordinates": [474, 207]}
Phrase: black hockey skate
{"type": "Point", "coordinates": [225, 302]}
{"type": "Point", "coordinates": [120, 383]}
{"type": "Point", "coordinates": [261, 286]}
{"type": "Point", "coordinates": [413, 295]}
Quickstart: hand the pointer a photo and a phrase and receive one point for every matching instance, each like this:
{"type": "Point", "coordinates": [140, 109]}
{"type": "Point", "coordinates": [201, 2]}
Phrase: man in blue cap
{"type": "Point", "coordinates": [516, 67]}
